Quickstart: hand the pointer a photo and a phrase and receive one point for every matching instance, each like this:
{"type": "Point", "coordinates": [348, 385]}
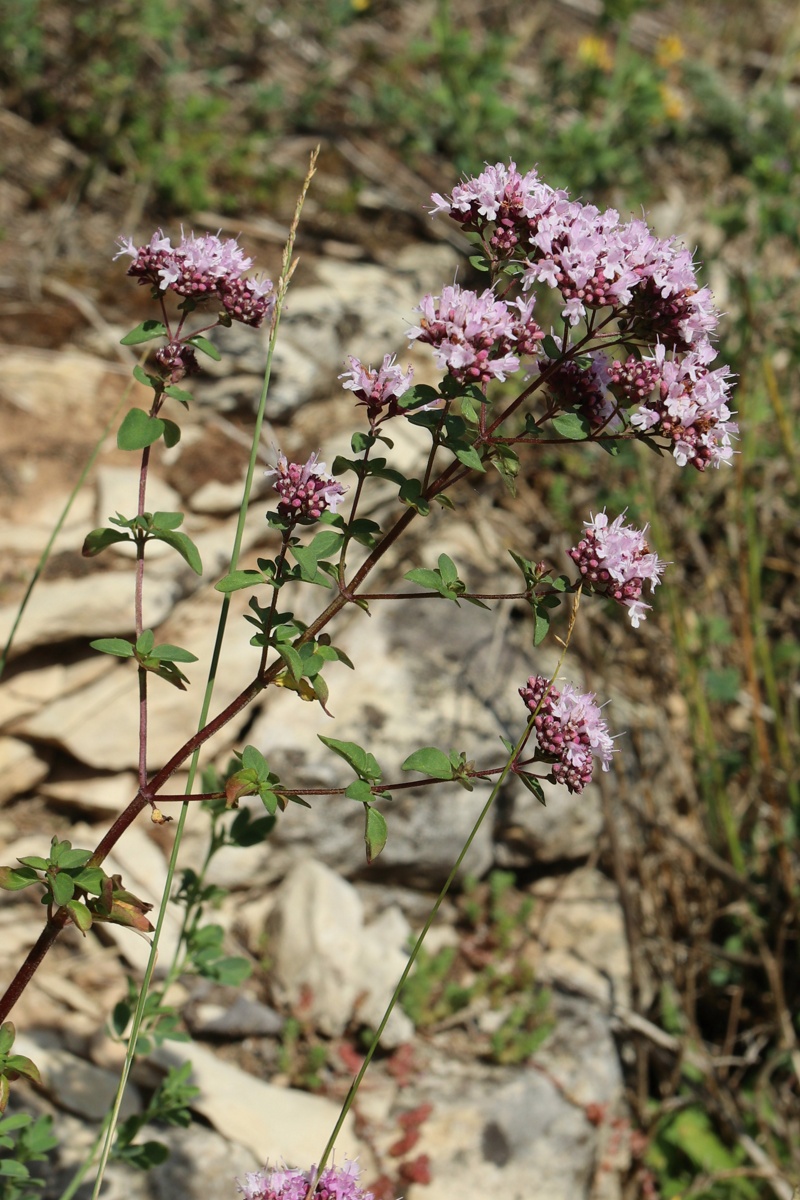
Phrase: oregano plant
{"type": "Point", "coordinates": [631, 360]}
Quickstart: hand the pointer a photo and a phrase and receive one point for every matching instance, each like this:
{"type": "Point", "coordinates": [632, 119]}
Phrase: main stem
{"type": "Point", "coordinates": [146, 794]}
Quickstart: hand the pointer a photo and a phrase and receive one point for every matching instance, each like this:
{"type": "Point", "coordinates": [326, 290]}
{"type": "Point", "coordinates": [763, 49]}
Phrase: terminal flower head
{"type": "Point", "coordinates": [615, 560]}
{"type": "Point", "coordinates": [335, 1183]}
{"type": "Point", "coordinates": [202, 268]}
{"type": "Point", "coordinates": [476, 337]}
{"type": "Point", "coordinates": [378, 390]}
{"type": "Point", "coordinates": [570, 730]}
{"type": "Point", "coordinates": [690, 406]}
{"type": "Point", "coordinates": [305, 491]}
{"type": "Point", "coordinates": [590, 255]}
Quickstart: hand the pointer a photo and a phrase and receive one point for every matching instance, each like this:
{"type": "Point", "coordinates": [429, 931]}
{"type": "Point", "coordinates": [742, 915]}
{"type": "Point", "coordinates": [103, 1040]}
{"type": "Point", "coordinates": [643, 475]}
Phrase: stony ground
{"type": "Point", "coordinates": [326, 936]}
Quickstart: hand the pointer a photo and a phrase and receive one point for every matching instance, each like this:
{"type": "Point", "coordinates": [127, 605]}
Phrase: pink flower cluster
{"type": "Point", "coordinates": [615, 560]}
{"type": "Point", "coordinates": [596, 261]}
{"type": "Point", "coordinates": [305, 491]}
{"type": "Point", "coordinates": [475, 337]}
{"type": "Point", "coordinates": [378, 390]}
{"type": "Point", "coordinates": [679, 398]}
{"type": "Point", "coordinates": [569, 731]}
{"type": "Point", "coordinates": [202, 269]}
{"type": "Point", "coordinates": [585, 388]}
{"type": "Point", "coordinates": [335, 1183]}
{"type": "Point", "coordinates": [690, 407]}
{"type": "Point", "coordinates": [592, 257]}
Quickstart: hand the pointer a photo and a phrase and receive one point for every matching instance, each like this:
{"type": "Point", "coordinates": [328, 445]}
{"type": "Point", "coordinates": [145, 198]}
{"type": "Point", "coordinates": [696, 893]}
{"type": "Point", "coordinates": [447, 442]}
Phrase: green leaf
{"type": "Point", "coordinates": [362, 762]}
{"type": "Point", "coordinates": [165, 652]}
{"type": "Point", "coordinates": [533, 785]}
{"type": "Point", "coordinates": [447, 569]}
{"type": "Point", "coordinates": [91, 879]}
{"type": "Point", "coordinates": [360, 442]}
{"type": "Point", "coordinates": [238, 580]}
{"type": "Point", "coordinates": [478, 261]}
{"type": "Point", "coordinates": [550, 346]}
{"type": "Point", "coordinates": [325, 543]}
{"type": "Point", "coordinates": [359, 790]}
{"type": "Point", "coordinates": [364, 531]}
{"type": "Point", "coordinates": [293, 661]}
{"type": "Point", "coordinates": [172, 431]}
{"type": "Point", "coordinates": [471, 458]}
{"type": "Point", "coordinates": [74, 858]}
{"type": "Point", "coordinates": [145, 332]}
{"type": "Point", "coordinates": [167, 520]}
{"type": "Point", "coordinates": [692, 1132]}
{"type": "Point", "coordinates": [139, 430]}
{"type": "Point", "coordinates": [63, 888]}
{"type": "Point", "coordinates": [428, 579]}
{"type": "Point", "coordinates": [80, 915]}
{"type": "Point", "coordinates": [507, 463]}
{"type": "Point", "coordinates": [146, 380]}
{"type": "Point", "coordinates": [206, 347]}
{"type": "Point", "coordinates": [118, 646]}
{"type": "Point", "coordinates": [232, 971]}
{"type": "Point", "coordinates": [184, 545]}
{"type": "Point", "coordinates": [35, 861]}
{"type": "Point", "coordinates": [100, 539]}
{"type": "Point", "coordinates": [307, 562]}
{"type": "Point", "coordinates": [429, 761]}
{"type": "Point", "coordinates": [571, 426]}
{"type": "Point", "coordinates": [541, 624]}
{"type": "Point", "coordinates": [7, 1035]}
{"type": "Point", "coordinates": [411, 494]}
{"type": "Point", "coordinates": [425, 578]}
{"type": "Point", "coordinates": [375, 832]}
{"type": "Point", "coordinates": [179, 394]}
{"type": "Point", "coordinates": [253, 760]}
{"type": "Point", "coordinates": [145, 642]}
{"type": "Point", "coordinates": [14, 1170]}
{"type": "Point", "coordinates": [143, 1155]}
{"type": "Point", "coordinates": [269, 800]}
{"type": "Point", "coordinates": [14, 879]}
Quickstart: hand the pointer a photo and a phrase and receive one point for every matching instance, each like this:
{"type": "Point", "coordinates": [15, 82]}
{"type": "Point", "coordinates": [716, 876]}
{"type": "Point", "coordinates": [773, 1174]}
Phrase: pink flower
{"type": "Point", "coordinates": [570, 731]}
{"type": "Point", "coordinates": [335, 1183]}
{"type": "Point", "coordinates": [305, 491]}
{"type": "Point", "coordinates": [690, 407]}
{"type": "Point", "coordinates": [592, 257]}
{"type": "Point", "coordinates": [615, 560]}
{"type": "Point", "coordinates": [476, 337]}
{"type": "Point", "coordinates": [378, 390]}
{"type": "Point", "coordinates": [202, 268]}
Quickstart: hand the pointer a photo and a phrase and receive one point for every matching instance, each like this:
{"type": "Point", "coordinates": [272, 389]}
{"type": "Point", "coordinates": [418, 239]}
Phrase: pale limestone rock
{"type": "Point", "coordinates": [583, 935]}
{"type": "Point", "coordinates": [72, 1082]}
{"type": "Point", "coordinates": [101, 795]}
{"type": "Point", "coordinates": [23, 694]}
{"type": "Point", "coordinates": [276, 1124]}
{"type": "Point", "coordinates": [20, 768]}
{"type": "Point", "coordinates": [90, 607]}
{"type": "Point", "coordinates": [37, 380]}
{"type": "Point", "coordinates": [323, 950]}
{"type": "Point", "coordinates": [98, 725]}
{"type": "Point", "coordinates": [33, 535]}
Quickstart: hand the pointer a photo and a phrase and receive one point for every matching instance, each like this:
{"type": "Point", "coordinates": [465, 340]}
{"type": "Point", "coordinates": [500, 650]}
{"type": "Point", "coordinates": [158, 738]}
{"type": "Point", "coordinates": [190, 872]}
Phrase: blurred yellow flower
{"type": "Point", "coordinates": [669, 50]}
{"type": "Point", "coordinates": [595, 52]}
